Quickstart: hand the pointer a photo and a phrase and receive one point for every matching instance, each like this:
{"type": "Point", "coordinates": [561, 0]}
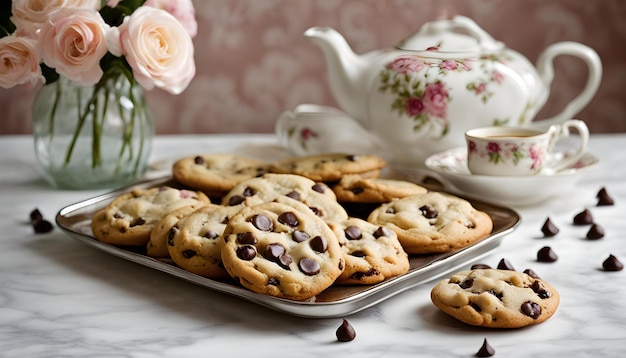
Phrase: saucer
{"type": "Point", "coordinates": [451, 168]}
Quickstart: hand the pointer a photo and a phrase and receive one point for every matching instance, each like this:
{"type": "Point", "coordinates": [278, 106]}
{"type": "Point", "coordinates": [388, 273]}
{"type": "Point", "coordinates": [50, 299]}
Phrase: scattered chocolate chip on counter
{"type": "Point", "coordinates": [549, 229]}
{"type": "Point", "coordinates": [504, 264]}
{"type": "Point", "coordinates": [604, 199]}
{"type": "Point", "coordinates": [546, 254]}
{"type": "Point", "coordinates": [486, 350]}
{"type": "Point", "coordinates": [583, 218]}
{"type": "Point", "coordinates": [39, 224]}
{"type": "Point", "coordinates": [595, 232]}
{"type": "Point", "coordinates": [345, 332]}
{"type": "Point", "coordinates": [612, 264]}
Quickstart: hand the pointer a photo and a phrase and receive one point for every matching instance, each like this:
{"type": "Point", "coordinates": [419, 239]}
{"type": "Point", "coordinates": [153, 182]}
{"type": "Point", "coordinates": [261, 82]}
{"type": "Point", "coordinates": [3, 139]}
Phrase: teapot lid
{"type": "Point", "coordinates": [458, 36]}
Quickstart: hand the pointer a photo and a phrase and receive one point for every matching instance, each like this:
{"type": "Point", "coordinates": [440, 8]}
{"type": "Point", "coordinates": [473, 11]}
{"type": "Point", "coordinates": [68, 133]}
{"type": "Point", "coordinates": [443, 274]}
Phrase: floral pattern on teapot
{"type": "Point", "coordinates": [426, 101]}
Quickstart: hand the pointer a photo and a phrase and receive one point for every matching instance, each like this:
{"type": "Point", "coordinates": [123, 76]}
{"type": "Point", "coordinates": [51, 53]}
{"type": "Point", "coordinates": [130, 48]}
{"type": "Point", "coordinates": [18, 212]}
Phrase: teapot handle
{"type": "Point", "coordinates": [545, 69]}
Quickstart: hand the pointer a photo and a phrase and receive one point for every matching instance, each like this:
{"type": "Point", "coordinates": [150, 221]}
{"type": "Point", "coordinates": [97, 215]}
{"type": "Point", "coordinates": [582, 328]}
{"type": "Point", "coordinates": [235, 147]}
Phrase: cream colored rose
{"type": "Point", "coordinates": [183, 10]}
{"type": "Point", "coordinates": [30, 15]}
{"type": "Point", "coordinates": [19, 63]}
{"type": "Point", "coordinates": [73, 43]}
{"type": "Point", "coordinates": [158, 49]}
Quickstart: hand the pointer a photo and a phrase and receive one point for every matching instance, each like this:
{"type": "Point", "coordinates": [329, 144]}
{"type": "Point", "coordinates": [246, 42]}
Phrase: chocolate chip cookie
{"type": "Point", "coordinates": [356, 189]}
{"type": "Point", "coordinates": [372, 253]}
{"type": "Point", "coordinates": [433, 222]}
{"type": "Point", "coordinates": [130, 218]}
{"type": "Point", "coordinates": [216, 174]}
{"type": "Point", "coordinates": [280, 251]}
{"type": "Point", "coordinates": [157, 246]}
{"type": "Point", "coordinates": [330, 167]}
{"type": "Point", "coordinates": [496, 298]}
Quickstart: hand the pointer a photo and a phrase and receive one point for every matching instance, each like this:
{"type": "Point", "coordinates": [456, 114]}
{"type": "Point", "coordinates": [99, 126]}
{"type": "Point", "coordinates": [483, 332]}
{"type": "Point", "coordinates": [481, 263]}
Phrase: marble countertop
{"type": "Point", "coordinates": [61, 298]}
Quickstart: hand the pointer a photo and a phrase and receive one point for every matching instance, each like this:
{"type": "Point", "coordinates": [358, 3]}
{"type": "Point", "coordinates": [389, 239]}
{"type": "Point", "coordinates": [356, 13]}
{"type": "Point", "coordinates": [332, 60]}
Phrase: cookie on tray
{"type": "Point", "coordinates": [433, 222]}
{"type": "Point", "coordinates": [330, 167]}
{"type": "Point", "coordinates": [130, 218]}
{"type": "Point", "coordinates": [194, 243]}
{"type": "Point", "coordinates": [372, 253]}
{"type": "Point", "coordinates": [356, 189]}
{"type": "Point", "coordinates": [496, 298]}
{"type": "Point", "coordinates": [316, 195]}
{"type": "Point", "coordinates": [216, 174]}
{"type": "Point", "coordinates": [157, 246]}
{"type": "Point", "coordinates": [277, 250]}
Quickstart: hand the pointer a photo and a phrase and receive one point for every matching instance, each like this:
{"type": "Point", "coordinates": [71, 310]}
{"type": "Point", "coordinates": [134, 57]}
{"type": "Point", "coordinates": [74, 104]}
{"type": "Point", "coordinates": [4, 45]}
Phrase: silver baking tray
{"type": "Point", "coordinates": [336, 301]}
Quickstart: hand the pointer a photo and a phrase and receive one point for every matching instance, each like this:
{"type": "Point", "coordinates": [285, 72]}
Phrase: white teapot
{"type": "Point", "coordinates": [420, 97]}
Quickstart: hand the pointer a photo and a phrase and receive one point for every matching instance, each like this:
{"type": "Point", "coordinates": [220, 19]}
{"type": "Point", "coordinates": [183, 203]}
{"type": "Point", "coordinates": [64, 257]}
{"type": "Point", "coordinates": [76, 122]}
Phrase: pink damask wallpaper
{"type": "Point", "coordinates": [253, 62]}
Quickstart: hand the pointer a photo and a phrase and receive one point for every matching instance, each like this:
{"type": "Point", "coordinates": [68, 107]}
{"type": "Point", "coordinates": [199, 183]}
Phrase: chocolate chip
{"type": "Point", "coordinates": [294, 195]}
{"type": "Point", "coordinates": [382, 231]}
{"type": "Point", "coordinates": [211, 235]}
{"type": "Point", "coordinates": [583, 218]}
{"type": "Point", "coordinates": [118, 215]}
{"type": "Point", "coordinates": [319, 187]}
{"type": "Point", "coordinates": [188, 254]}
{"type": "Point", "coordinates": [479, 267]}
{"type": "Point", "coordinates": [284, 261]}
{"type": "Point", "coordinates": [316, 211]}
{"type": "Point", "coordinates": [353, 233]}
{"type": "Point", "coordinates": [273, 281]}
{"type": "Point", "coordinates": [170, 235]}
{"type": "Point", "coordinates": [549, 229]}
{"type": "Point", "coordinates": [475, 306]}
{"type": "Point", "coordinates": [429, 211]}
{"type": "Point", "coordinates": [35, 216]}
{"type": "Point", "coordinates": [235, 200]}
{"type": "Point", "coordinates": [546, 254]}
{"type": "Point", "coordinates": [504, 264]}
{"type": "Point", "coordinates": [358, 253]}
{"type": "Point", "coordinates": [309, 266]}
{"type": "Point", "coordinates": [198, 160]}
{"type": "Point", "coordinates": [485, 350]}
{"type": "Point", "coordinates": [288, 218]}
{"type": "Point", "coordinates": [603, 198]}
{"type": "Point", "coordinates": [612, 264]}
{"type": "Point", "coordinates": [497, 294]}
{"type": "Point", "coordinates": [262, 222]}
{"type": "Point", "coordinates": [357, 190]}
{"type": "Point", "coordinates": [345, 332]}
{"type": "Point", "coordinates": [538, 288]}
{"type": "Point", "coordinates": [42, 226]}
{"type": "Point", "coordinates": [353, 157]}
{"type": "Point", "coordinates": [274, 251]}
{"type": "Point", "coordinates": [138, 221]}
{"type": "Point", "coordinates": [390, 211]}
{"type": "Point", "coordinates": [466, 283]}
{"type": "Point", "coordinates": [531, 273]}
{"type": "Point", "coordinates": [595, 232]}
{"type": "Point", "coordinates": [299, 236]}
{"type": "Point", "coordinates": [319, 244]}
{"type": "Point", "coordinates": [246, 252]}
{"type": "Point", "coordinates": [246, 238]}
{"type": "Point", "coordinates": [531, 309]}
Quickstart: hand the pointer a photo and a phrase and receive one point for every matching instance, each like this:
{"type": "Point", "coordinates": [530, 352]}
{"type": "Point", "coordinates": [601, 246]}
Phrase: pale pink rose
{"type": "Point", "coordinates": [497, 77]}
{"type": "Point", "coordinates": [74, 42]}
{"type": "Point", "coordinates": [29, 16]}
{"type": "Point", "coordinates": [158, 49]}
{"type": "Point", "coordinates": [435, 99]}
{"type": "Point", "coordinates": [113, 3]}
{"type": "Point", "coordinates": [19, 63]}
{"type": "Point", "coordinates": [406, 65]}
{"type": "Point", "coordinates": [183, 10]}
{"type": "Point", "coordinates": [449, 65]}
{"type": "Point", "coordinates": [413, 106]}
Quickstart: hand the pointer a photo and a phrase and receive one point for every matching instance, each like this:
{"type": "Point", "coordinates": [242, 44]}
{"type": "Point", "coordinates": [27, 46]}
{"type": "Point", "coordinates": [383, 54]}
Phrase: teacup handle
{"type": "Point", "coordinates": [561, 131]}
{"type": "Point", "coordinates": [545, 69]}
{"type": "Point", "coordinates": [281, 127]}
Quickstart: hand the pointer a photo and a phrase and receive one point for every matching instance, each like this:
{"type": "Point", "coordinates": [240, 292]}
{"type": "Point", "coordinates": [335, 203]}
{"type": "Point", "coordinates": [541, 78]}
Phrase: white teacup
{"type": "Point", "coordinates": [312, 129]}
{"type": "Point", "coordinates": [517, 151]}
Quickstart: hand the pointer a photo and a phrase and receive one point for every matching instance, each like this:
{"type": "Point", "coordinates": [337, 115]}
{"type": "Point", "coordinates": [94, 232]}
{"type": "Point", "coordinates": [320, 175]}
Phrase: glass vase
{"type": "Point", "coordinates": [90, 137]}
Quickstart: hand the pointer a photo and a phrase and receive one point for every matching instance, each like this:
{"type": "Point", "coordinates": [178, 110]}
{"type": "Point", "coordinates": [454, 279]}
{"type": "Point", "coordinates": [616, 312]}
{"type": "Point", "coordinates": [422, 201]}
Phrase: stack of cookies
{"type": "Point", "coordinates": [289, 229]}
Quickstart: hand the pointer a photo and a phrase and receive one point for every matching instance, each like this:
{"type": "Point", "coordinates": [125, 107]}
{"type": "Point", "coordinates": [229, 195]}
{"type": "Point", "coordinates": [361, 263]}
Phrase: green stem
{"type": "Point", "coordinates": [82, 116]}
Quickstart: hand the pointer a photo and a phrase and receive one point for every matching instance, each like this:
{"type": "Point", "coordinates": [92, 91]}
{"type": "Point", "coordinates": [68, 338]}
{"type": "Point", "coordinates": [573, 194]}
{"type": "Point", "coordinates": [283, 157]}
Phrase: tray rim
{"type": "Point", "coordinates": [368, 297]}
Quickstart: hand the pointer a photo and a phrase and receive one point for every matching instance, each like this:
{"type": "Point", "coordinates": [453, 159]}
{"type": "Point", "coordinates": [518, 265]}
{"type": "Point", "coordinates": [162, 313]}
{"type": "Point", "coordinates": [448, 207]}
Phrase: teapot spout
{"type": "Point", "coordinates": [346, 71]}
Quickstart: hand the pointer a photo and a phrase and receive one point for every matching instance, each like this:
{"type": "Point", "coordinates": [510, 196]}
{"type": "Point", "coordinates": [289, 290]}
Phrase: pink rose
{"type": "Point", "coordinates": [436, 99]}
{"type": "Point", "coordinates": [406, 65]}
{"type": "Point", "coordinates": [449, 65]}
{"type": "Point", "coordinates": [157, 48]}
{"type": "Point", "coordinates": [493, 147]}
{"type": "Point", "coordinates": [113, 3]}
{"type": "Point", "coordinates": [19, 63]}
{"type": "Point", "coordinates": [183, 10]}
{"type": "Point", "coordinates": [74, 42]}
{"type": "Point", "coordinates": [497, 77]}
{"type": "Point", "coordinates": [413, 106]}
{"type": "Point", "coordinates": [29, 16]}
